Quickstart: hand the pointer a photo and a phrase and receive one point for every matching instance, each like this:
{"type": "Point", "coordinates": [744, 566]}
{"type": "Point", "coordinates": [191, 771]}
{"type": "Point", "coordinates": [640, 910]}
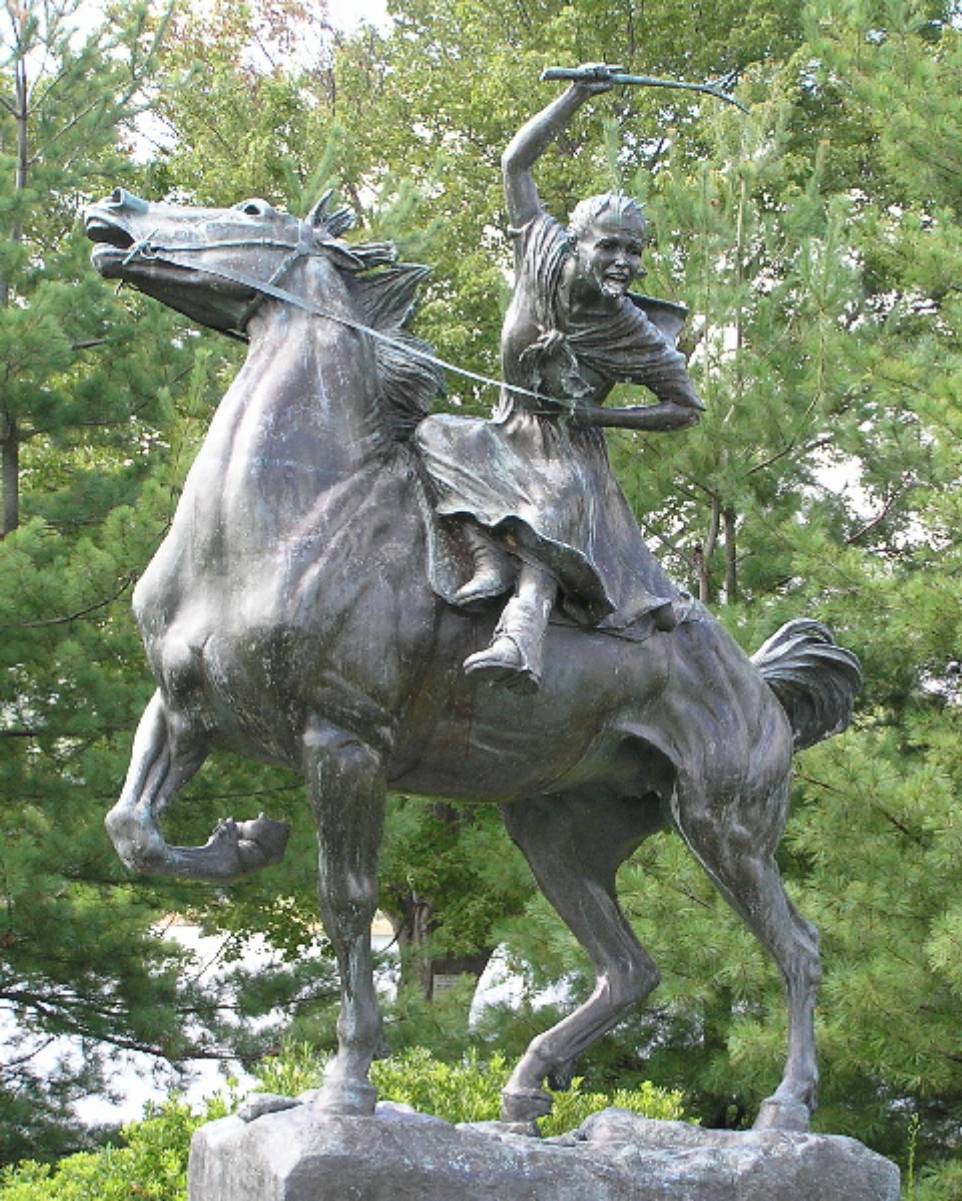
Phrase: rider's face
{"type": "Point", "coordinates": [609, 252]}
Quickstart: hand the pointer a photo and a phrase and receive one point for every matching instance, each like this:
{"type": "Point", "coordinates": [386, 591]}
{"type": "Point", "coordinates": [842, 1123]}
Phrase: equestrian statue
{"type": "Point", "coordinates": [386, 599]}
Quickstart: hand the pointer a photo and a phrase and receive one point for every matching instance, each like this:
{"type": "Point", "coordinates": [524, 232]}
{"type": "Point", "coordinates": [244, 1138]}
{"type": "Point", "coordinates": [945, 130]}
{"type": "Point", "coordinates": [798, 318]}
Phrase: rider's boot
{"type": "Point", "coordinates": [515, 655]}
{"type": "Point", "coordinates": [493, 568]}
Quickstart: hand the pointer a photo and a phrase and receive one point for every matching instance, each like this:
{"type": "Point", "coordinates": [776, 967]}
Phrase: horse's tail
{"type": "Point", "coordinates": [814, 679]}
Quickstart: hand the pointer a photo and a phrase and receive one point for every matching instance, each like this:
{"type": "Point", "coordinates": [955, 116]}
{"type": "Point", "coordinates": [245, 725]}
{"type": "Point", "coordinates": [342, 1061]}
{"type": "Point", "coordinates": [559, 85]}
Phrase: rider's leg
{"type": "Point", "coordinates": [515, 654]}
{"type": "Point", "coordinates": [492, 568]}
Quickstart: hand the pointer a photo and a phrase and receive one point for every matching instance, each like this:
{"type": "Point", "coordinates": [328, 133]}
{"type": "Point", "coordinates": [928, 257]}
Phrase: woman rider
{"type": "Point", "coordinates": [535, 481]}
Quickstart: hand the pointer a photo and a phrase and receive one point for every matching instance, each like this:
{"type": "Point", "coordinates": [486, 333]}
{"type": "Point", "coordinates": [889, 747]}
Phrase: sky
{"type": "Point", "coordinates": [346, 15]}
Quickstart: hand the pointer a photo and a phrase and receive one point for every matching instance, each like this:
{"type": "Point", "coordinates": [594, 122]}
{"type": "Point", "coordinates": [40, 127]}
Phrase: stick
{"type": "Point", "coordinates": [582, 75]}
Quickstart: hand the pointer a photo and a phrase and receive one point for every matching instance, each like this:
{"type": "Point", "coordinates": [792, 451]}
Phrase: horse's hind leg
{"type": "Point", "coordinates": [735, 844]}
{"type": "Point", "coordinates": [346, 786]}
{"type": "Point", "coordinates": [574, 845]}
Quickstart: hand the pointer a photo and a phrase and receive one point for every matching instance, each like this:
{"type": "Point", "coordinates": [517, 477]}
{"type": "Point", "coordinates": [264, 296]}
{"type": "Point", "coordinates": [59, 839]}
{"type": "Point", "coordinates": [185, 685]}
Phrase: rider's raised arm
{"type": "Point", "coordinates": [531, 141]}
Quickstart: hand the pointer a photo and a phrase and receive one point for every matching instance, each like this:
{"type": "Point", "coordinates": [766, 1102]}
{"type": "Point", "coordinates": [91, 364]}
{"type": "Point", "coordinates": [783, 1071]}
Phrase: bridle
{"type": "Point", "coordinates": [148, 250]}
{"type": "Point", "coordinates": [307, 246]}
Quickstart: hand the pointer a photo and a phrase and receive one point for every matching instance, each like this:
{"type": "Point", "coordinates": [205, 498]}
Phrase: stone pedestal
{"type": "Point", "coordinates": [398, 1155]}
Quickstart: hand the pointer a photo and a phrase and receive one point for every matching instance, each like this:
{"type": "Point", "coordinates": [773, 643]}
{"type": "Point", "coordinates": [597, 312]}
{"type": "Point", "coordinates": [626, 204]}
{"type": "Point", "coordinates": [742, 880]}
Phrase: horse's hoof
{"type": "Point", "coordinates": [261, 842]}
{"type": "Point", "coordinates": [354, 1098]}
{"type": "Point", "coordinates": [524, 1104]}
{"type": "Point", "coordinates": [774, 1114]}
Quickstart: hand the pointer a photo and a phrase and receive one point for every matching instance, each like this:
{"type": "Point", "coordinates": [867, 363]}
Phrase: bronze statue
{"type": "Point", "coordinates": [289, 616]}
{"type": "Point", "coordinates": [535, 481]}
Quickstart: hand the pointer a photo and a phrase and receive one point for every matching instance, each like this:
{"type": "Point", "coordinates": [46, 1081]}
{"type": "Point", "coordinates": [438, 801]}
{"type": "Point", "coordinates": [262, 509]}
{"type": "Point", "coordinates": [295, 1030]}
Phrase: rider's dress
{"type": "Point", "coordinates": [539, 482]}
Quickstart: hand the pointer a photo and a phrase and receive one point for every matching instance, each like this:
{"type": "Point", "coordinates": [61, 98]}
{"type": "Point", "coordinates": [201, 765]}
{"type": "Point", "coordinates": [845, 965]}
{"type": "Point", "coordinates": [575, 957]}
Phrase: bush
{"type": "Point", "coordinates": [938, 1182]}
{"type": "Point", "coordinates": [470, 1091]}
{"type": "Point", "coordinates": [151, 1165]}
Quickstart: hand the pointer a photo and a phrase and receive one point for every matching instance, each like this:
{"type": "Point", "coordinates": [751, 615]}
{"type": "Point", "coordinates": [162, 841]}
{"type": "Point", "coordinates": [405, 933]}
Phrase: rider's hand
{"type": "Point", "coordinates": [586, 415]}
{"type": "Point", "coordinates": [600, 80]}
{"type": "Point", "coordinates": [549, 343]}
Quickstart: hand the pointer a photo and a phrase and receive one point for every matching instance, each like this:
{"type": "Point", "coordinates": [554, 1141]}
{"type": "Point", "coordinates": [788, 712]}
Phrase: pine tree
{"type": "Point", "coordinates": [100, 407]}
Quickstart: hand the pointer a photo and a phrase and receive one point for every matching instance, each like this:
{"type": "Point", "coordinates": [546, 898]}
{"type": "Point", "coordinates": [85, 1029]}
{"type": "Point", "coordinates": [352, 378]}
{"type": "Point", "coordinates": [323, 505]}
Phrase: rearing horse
{"type": "Point", "coordinates": [288, 616]}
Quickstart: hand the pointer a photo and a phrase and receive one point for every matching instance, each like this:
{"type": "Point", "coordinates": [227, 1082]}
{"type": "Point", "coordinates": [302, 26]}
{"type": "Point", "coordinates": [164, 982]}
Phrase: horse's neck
{"type": "Point", "coordinates": [309, 384]}
{"type": "Point", "coordinates": [300, 420]}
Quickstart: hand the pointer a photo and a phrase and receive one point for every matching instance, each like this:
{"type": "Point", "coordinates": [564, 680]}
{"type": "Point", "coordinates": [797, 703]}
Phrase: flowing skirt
{"type": "Point", "coordinates": [545, 490]}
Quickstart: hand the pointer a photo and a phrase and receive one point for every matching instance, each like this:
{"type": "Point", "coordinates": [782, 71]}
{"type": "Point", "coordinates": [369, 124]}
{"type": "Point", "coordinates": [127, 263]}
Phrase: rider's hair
{"type": "Point", "coordinates": [586, 212]}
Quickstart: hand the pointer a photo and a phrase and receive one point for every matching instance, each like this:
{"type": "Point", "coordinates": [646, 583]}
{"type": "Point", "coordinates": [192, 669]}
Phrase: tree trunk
{"type": "Point", "coordinates": [413, 922]}
{"type": "Point", "coordinates": [703, 554]}
{"type": "Point", "coordinates": [731, 560]}
{"type": "Point", "coordinates": [9, 434]}
{"type": "Point", "coordinates": [10, 475]}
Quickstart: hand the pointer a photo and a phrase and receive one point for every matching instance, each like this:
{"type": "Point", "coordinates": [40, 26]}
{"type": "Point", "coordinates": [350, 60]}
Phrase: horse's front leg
{"type": "Point", "coordinates": [346, 786]}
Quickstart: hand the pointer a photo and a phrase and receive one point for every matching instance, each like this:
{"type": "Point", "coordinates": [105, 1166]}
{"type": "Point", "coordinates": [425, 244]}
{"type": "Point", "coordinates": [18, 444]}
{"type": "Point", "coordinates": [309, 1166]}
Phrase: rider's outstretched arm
{"type": "Point", "coordinates": [534, 137]}
{"type": "Point", "coordinates": [666, 415]}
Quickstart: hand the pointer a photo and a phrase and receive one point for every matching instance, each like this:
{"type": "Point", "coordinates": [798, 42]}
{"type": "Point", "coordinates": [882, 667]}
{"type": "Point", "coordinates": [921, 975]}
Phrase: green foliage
{"type": "Point", "coordinates": [940, 1181]}
{"type": "Point", "coordinates": [462, 1092]}
{"type": "Point", "coordinates": [150, 1163]}
{"type": "Point", "coordinates": [468, 1090]}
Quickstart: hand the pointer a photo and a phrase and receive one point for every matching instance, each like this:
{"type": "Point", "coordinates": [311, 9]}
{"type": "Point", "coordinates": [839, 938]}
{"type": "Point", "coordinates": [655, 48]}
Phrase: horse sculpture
{"type": "Point", "coordinates": [288, 616]}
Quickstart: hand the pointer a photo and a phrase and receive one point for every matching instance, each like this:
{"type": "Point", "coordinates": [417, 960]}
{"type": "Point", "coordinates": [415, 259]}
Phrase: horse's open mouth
{"type": "Point", "coordinates": [107, 234]}
{"type": "Point", "coordinates": [112, 244]}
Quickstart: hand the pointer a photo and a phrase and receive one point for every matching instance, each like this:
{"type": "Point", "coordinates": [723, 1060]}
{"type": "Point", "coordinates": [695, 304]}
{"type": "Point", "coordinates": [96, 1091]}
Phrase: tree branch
{"type": "Point", "coordinates": [877, 519]}
{"type": "Point", "coordinates": [787, 450]}
{"type": "Point", "coordinates": [60, 621]}
{"type": "Point", "coordinates": [89, 344]}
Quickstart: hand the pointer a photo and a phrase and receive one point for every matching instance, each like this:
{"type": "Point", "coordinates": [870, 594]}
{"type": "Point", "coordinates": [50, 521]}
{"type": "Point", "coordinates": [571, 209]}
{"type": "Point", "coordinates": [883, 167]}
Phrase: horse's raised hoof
{"type": "Point", "coordinates": [774, 1114]}
{"type": "Point", "coordinates": [234, 849]}
{"type": "Point", "coordinates": [524, 1104]}
{"type": "Point", "coordinates": [261, 842]}
{"type": "Point", "coordinates": [351, 1098]}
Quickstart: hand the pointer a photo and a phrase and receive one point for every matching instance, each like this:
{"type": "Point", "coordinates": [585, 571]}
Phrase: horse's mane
{"type": "Point", "coordinates": [386, 294]}
{"type": "Point", "coordinates": [387, 299]}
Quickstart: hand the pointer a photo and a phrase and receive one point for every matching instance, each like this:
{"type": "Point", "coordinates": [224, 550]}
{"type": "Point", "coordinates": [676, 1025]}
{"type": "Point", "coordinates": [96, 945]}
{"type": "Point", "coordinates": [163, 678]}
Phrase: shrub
{"type": "Point", "coordinates": [470, 1091]}
{"type": "Point", "coordinates": [467, 1091]}
{"type": "Point", "coordinates": [151, 1165]}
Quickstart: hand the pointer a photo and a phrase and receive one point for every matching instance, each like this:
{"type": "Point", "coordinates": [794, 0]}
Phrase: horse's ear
{"type": "Point", "coordinates": [331, 224]}
{"type": "Point", "coordinates": [318, 212]}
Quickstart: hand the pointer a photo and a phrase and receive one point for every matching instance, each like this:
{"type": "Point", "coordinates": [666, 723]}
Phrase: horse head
{"type": "Point", "coordinates": [215, 264]}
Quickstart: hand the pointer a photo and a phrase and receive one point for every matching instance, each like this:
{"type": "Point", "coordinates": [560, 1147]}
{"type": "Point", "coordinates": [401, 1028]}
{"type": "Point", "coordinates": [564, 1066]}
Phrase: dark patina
{"type": "Point", "coordinates": [292, 614]}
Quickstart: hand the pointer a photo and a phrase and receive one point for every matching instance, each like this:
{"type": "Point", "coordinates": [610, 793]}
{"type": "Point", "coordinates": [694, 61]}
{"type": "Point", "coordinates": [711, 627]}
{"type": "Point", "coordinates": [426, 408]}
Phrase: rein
{"type": "Point", "coordinates": [152, 252]}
